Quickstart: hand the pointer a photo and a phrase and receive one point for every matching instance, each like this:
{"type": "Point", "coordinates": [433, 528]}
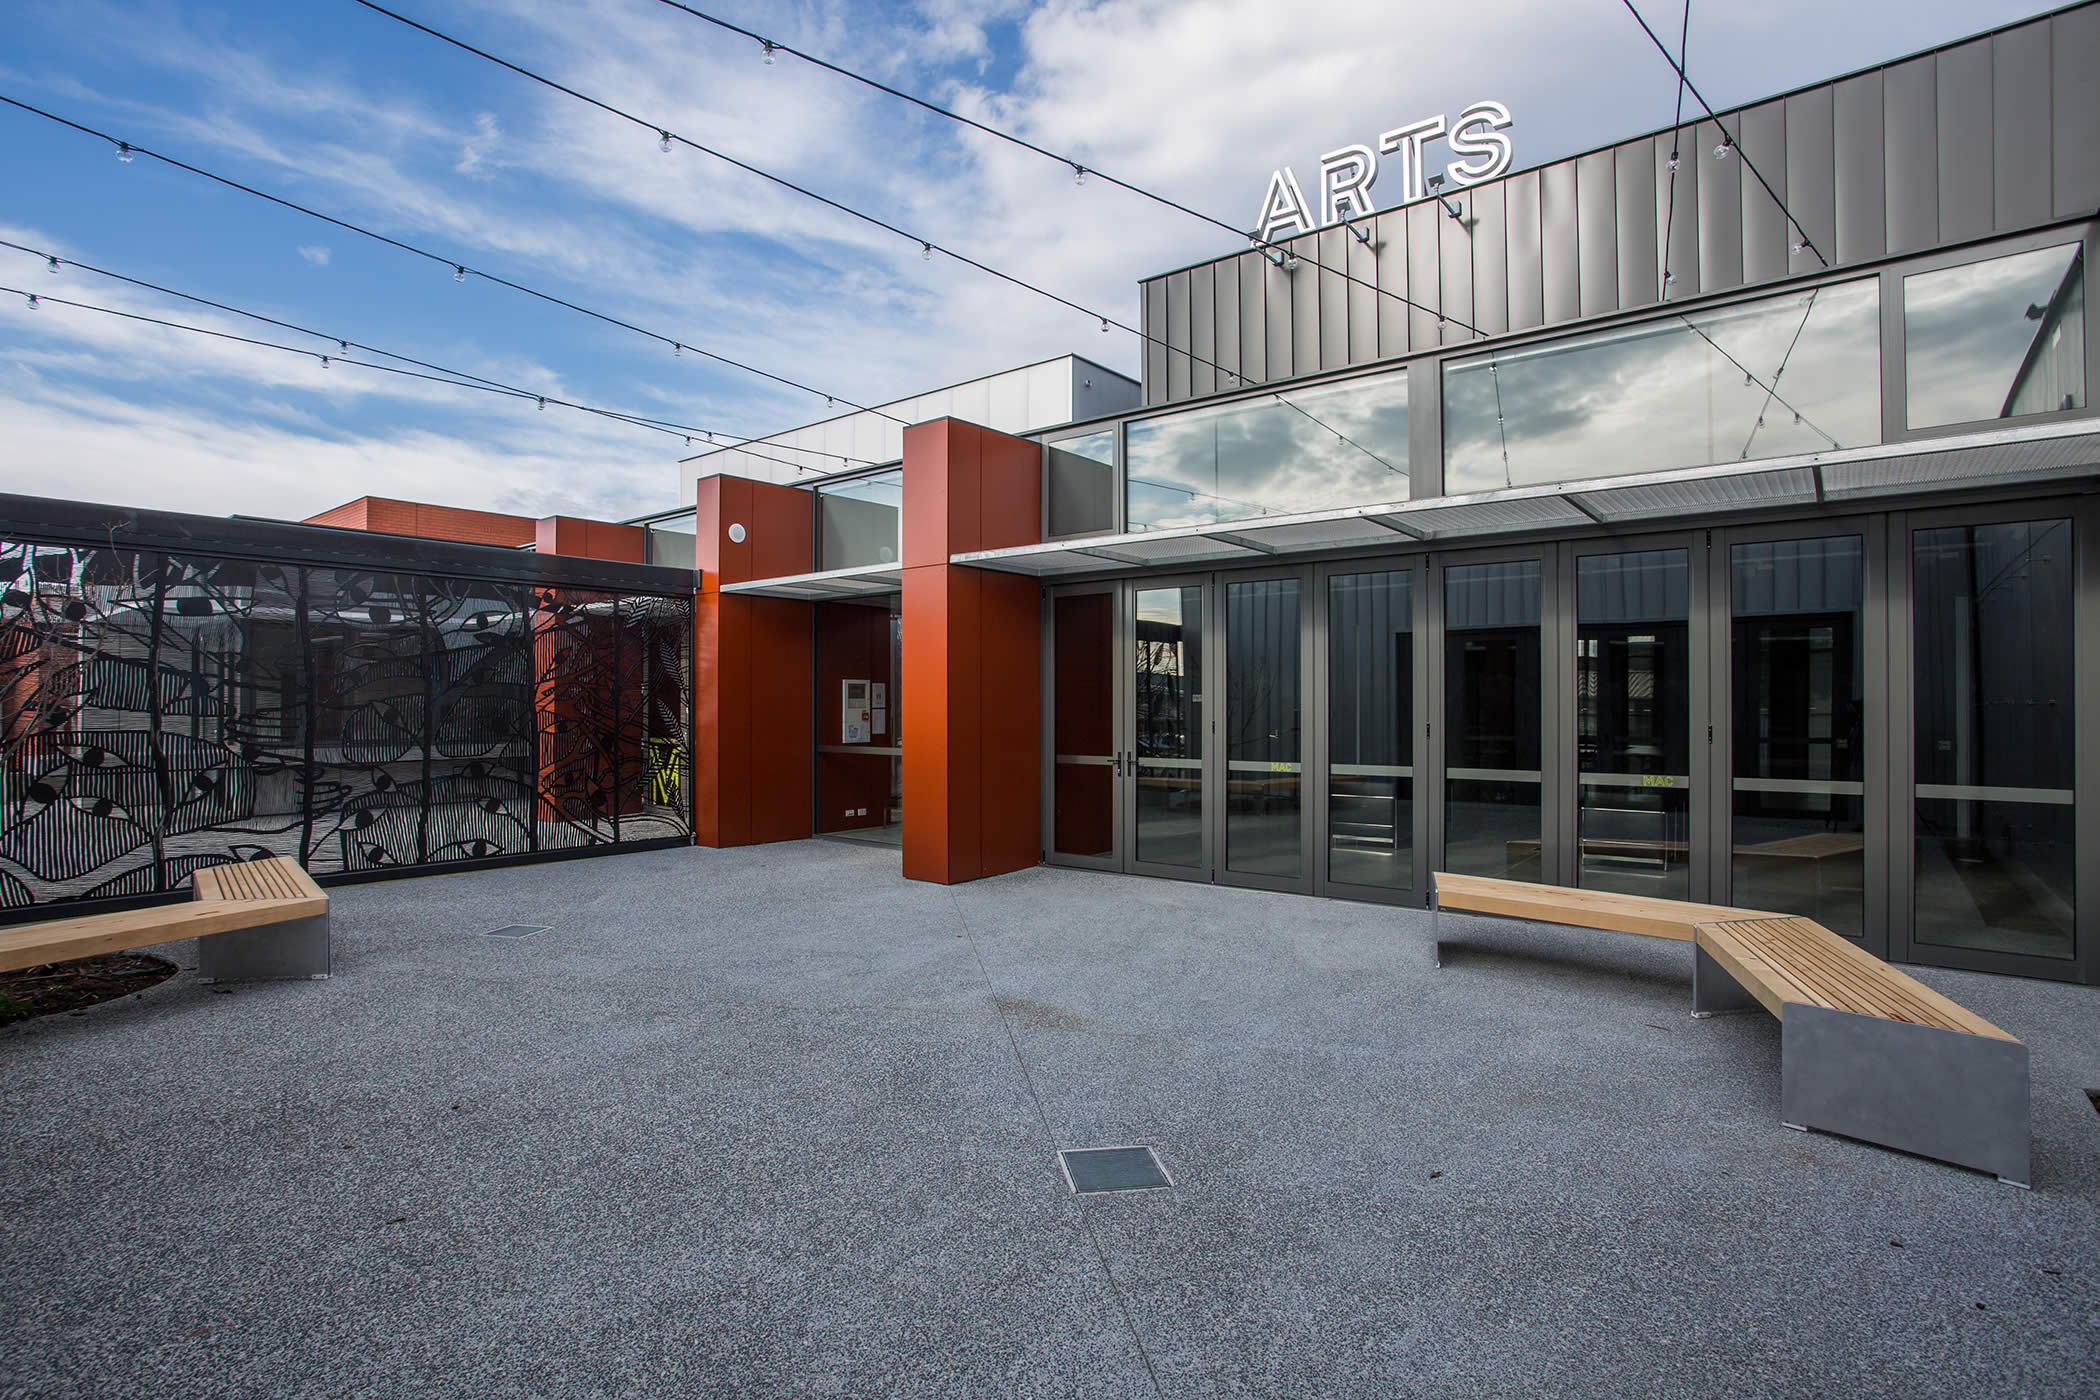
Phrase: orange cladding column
{"type": "Point", "coordinates": [972, 685]}
{"type": "Point", "coordinates": [752, 666]}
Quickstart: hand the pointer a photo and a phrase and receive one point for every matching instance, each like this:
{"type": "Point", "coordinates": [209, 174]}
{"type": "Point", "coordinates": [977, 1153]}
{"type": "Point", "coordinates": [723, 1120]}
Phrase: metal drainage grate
{"type": "Point", "coordinates": [516, 931]}
{"type": "Point", "coordinates": [1090, 1171]}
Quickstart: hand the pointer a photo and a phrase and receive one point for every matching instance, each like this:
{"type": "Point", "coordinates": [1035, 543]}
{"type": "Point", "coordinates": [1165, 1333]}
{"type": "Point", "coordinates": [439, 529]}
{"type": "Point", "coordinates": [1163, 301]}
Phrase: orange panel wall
{"type": "Point", "coordinates": [391, 517]}
{"type": "Point", "coordinates": [590, 539]}
{"type": "Point", "coordinates": [972, 685]}
{"type": "Point", "coordinates": [753, 668]}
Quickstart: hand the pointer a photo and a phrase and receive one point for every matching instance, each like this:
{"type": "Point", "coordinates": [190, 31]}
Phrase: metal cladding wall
{"type": "Point", "coordinates": [1985, 137]}
{"type": "Point", "coordinates": [178, 692]}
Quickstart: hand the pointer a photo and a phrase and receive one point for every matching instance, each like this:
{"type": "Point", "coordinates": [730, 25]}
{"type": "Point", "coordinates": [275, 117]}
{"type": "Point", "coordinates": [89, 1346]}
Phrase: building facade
{"type": "Point", "coordinates": [1708, 516]}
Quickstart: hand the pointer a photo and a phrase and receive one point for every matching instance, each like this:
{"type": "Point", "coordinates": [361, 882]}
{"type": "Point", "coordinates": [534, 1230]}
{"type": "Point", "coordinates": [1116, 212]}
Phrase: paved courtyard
{"type": "Point", "coordinates": [776, 1121]}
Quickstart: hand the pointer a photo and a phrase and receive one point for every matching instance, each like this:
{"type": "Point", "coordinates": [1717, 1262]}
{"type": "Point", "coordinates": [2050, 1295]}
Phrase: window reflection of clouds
{"type": "Point", "coordinates": [1968, 333]}
{"type": "Point", "coordinates": [1768, 379]}
{"type": "Point", "coordinates": [1314, 449]}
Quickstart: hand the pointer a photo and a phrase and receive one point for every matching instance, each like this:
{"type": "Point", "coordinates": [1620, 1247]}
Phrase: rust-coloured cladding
{"type": "Point", "coordinates": [751, 720]}
{"type": "Point", "coordinates": [752, 668]}
{"type": "Point", "coordinates": [777, 524]}
{"type": "Point", "coordinates": [590, 539]}
{"type": "Point", "coordinates": [972, 655]}
{"type": "Point", "coordinates": [382, 515]}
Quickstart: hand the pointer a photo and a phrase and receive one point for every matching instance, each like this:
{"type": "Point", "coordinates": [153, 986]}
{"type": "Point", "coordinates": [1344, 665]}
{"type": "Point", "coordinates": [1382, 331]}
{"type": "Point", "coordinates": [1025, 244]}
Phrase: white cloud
{"type": "Point", "coordinates": [315, 253]}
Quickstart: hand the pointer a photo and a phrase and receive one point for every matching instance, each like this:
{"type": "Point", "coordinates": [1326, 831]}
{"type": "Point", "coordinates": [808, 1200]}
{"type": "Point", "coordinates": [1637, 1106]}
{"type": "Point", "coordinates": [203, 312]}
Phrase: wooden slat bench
{"type": "Point", "coordinates": [263, 918]}
{"type": "Point", "coordinates": [1865, 1050]}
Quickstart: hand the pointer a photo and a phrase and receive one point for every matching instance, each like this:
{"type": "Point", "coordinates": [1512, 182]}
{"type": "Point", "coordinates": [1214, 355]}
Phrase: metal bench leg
{"type": "Point", "coordinates": [298, 948]}
{"type": "Point", "coordinates": [1939, 1093]}
{"type": "Point", "coordinates": [1715, 991]}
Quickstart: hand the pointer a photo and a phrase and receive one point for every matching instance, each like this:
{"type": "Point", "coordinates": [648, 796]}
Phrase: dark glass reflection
{"type": "Point", "coordinates": [1083, 485]}
{"type": "Point", "coordinates": [1996, 339]}
{"type": "Point", "coordinates": [1083, 798]}
{"type": "Point", "coordinates": [860, 766]}
{"type": "Point", "coordinates": [1491, 728]}
{"type": "Point", "coordinates": [1370, 721]}
{"type": "Point", "coordinates": [1309, 449]}
{"type": "Point", "coordinates": [1995, 652]}
{"type": "Point", "coordinates": [1169, 699]}
{"type": "Point", "coordinates": [1264, 777]}
{"type": "Point", "coordinates": [1799, 676]}
{"type": "Point", "coordinates": [1796, 373]}
{"type": "Point", "coordinates": [1632, 722]}
{"type": "Point", "coordinates": [857, 521]}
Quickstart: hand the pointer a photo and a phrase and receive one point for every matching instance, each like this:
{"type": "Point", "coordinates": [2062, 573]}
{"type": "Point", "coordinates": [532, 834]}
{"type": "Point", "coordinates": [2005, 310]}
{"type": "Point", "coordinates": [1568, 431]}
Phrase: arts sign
{"type": "Point", "coordinates": [1346, 175]}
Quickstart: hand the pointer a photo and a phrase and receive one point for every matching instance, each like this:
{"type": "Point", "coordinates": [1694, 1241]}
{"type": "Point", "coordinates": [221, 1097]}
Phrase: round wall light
{"type": "Point", "coordinates": [736, 534]}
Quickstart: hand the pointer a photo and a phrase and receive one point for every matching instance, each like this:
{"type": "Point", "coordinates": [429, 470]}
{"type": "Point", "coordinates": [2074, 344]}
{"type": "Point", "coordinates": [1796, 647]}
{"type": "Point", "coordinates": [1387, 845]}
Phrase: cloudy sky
{"type": "Point", "coordinates": [326, 103]}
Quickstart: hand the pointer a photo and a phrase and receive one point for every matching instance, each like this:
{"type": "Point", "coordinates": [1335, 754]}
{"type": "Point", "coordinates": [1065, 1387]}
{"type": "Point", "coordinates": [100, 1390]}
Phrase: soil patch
{"type": "Point", "coordinates": [69, 986]}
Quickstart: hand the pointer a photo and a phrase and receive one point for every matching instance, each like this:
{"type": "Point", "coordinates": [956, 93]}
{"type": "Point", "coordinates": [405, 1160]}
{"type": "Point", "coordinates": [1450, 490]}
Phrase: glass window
{"type": "Point", "coordinates": [1797, 373]}
{"type": "Point", "coordinates": [1082, 484]}
{"type": "Point", "coordinates": [671, 542]}
{"type": "Point", "coordinates": [1996, 339]}
{"type": "Point", "coordinates": [857, 521]}
{"type": "Point", "coordinates": [1995, 680]}
{"type": "Point", "coordinates": [1370, 726]}
{"type": "Point", "coordinates": [1264, 774]}
{"type": "Point", "coordinates": [1280, 454]}
{"type": "Point", "coordinates": [1633, 722]}
{"type": "Point", "coordinates": [1492, 736]}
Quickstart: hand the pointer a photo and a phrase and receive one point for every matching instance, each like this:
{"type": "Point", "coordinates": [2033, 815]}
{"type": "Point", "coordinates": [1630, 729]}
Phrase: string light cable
{"type": "Point", "coordinates": [927, 246]}
{"type": "Point", "coordinates": [1728, 143]}
{"type": "Point", "coordinates": [128, 151]}
{"type": "Point", "coordinates": [1684, 37]}
{"type": "Point", "coordinates": [1079, 171]}
{"type": "Point", "coordinates": [443, 375]}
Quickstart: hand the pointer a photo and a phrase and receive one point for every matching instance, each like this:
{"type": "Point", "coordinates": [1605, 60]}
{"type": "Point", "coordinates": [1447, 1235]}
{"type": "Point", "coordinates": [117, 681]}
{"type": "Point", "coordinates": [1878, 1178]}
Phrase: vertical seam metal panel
{"type": "Point", "coordinates": [1226, 319]}
{"type": "Point", "coordinates": [1155, 324]}
{"type": "Point", "coordinates": [1423, 280]}
{"type": "Point", "coordinates": [1964, 107]}
{"type": "Point", "coordinates": [1389, 236]}
{"type": "Point", "coordinates": [1527, 269]}
{"type": "Point", "coordinates": [1490, 258]}
{"type": "Point", "coordinates": [1910, 125]}
{"type": "Point", "coordinates": [1178, 336]}
{"type": "Point", "coordinates": [1203, 330]}
{"type": "Point", "coordinates": [1720, 213]}
{"type": "Point", "coordinates": [1640, 262]}
{"type": "Point", "coordinates": [1811, 176]}
{"type": "Point", "coordinates": [1362, 262]}
{"type": "Point", "coordinates": [1305, 305]}
{"type": "Point", "coordinates": [1332, 248]}
{"type": "Point", "coordinates": [1597, 235]}
{"type": "Point", "coordinates": [1677, 215]}
{"type": "Point", "coordinates": [2020, 145]}
{"type": "Point", "coordinates": [1254, 326]}
{"type": "Point", "coordinates": [2074, 101]}
{"type": "Point", "coordinates": [1278, 305]}
{"type": "Point", "coordinates": [1766, 231]}
{"type": "Point", "coordinates": [1455, 267]}
{"type": "Point", "coordinates": [1562, 277]}
{"type": "Point", "coordinates": [1857, 141]}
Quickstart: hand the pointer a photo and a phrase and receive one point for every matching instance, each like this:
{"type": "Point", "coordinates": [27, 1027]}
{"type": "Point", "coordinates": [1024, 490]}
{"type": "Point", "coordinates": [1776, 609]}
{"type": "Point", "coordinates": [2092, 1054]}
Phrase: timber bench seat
{"type": "Point", "coordinates": [263, 918]}
{"type": "Point", "coordinates": [1865, 1050]}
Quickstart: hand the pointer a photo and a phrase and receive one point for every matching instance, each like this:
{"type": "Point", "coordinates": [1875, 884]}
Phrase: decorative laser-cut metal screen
{"type": "Point", "coordinates": [160, 713]}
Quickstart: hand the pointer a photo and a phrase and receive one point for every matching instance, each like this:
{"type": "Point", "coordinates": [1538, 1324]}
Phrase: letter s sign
{"type": "Point", "coordinates": [1478, 132]}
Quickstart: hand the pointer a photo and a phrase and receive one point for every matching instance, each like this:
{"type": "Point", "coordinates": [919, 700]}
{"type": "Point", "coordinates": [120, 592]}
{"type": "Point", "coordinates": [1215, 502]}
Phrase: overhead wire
{"type": "Point", "coordinates": [1727, 139]}
{"type": "Point", "coordinates": [455, 378]}
{"type": "Point", "coordinates": [927, 246]}
{"type": "Point", "coordinates": [461, 269]}
{"type": "Point", "coordinates": [1078, 169]}
{"type": "Point", "coordinates": [711, 435]}
{"type": "Point", "coordinates": [1684, 37]}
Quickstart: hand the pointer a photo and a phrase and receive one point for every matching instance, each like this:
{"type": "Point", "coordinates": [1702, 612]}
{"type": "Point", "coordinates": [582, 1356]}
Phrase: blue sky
{"type": "Point", "coordinates": [325, 103]}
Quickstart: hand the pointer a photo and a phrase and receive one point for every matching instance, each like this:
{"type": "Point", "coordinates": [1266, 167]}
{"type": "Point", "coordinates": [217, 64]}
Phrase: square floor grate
{"type": "Point", "coordinates": [516, 931]}
{"type": "Point", "coordinates": [1092, 1170]}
